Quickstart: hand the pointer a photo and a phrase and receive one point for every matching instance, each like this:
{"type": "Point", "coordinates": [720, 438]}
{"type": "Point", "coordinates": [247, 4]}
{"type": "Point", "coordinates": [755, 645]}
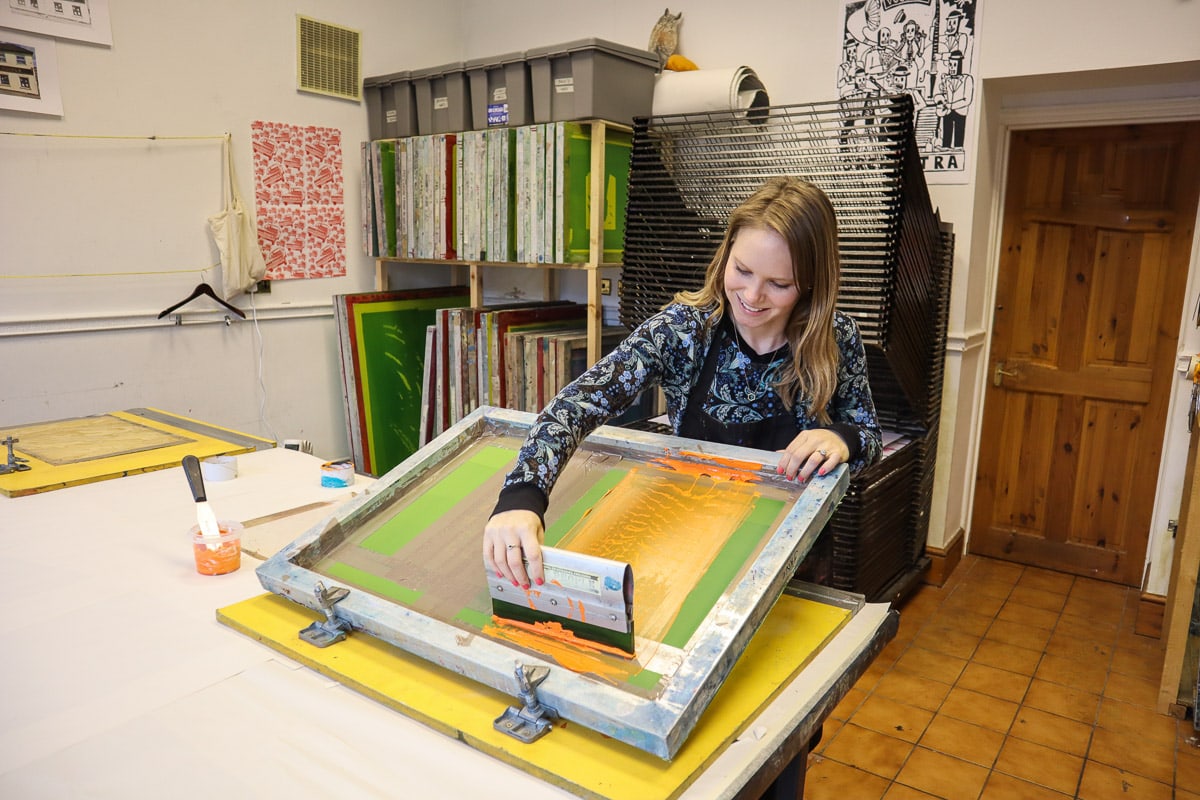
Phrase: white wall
{"type": "Point", "coordinates": [1076, 54]}
{"type": "Point", "coordinates": [183, 69]}
{"type": "Point", "coordinates": [1036, 37]}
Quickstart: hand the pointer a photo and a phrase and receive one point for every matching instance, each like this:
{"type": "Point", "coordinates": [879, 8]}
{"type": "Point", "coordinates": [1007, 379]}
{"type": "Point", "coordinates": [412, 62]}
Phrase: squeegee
{"type": "Point", "coordinates": [589, 596]}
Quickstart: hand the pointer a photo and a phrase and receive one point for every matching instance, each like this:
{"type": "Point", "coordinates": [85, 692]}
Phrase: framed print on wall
{"type": "Point", "coordinates": [29, 74]}
{"type": "Point", "coordinates": [81, 20]}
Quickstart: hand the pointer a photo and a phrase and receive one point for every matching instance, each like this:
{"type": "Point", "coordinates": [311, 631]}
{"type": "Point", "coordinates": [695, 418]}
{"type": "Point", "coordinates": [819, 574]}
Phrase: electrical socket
{"type": "Point", "coordinates": [262, 287]}
{"type": "Point", "coordinates": [606, 286]}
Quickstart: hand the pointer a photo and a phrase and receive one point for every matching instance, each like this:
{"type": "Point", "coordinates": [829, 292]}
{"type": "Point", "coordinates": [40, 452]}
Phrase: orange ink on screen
{"type": "Point", "coordinates": [669, 526]}
{"type": "Point", "coordinates": [554, 641]}
{"type": "Point", "coordinates": [716, 468]}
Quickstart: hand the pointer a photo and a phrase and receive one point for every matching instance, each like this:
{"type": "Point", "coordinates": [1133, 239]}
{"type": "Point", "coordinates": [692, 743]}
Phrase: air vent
{"type": "Point", "coordinates": [327, 59]}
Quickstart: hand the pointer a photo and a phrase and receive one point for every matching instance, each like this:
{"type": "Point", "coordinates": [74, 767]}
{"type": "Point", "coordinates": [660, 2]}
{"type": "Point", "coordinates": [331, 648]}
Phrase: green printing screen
{"type": "Point", "coordinates": [687, 536]}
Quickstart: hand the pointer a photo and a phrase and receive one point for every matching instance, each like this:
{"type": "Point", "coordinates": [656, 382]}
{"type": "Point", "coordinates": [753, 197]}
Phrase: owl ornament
{"type": "Point", "coordinates": [664, 38]}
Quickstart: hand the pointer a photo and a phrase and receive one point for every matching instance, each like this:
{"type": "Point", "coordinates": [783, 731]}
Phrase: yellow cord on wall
{"type": "Point", "coordinates": [151, 138]}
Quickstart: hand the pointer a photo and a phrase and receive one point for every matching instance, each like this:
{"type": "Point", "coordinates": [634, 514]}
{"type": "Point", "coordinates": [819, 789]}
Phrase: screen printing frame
{"type": "Point", "coordinates": [657, 725]}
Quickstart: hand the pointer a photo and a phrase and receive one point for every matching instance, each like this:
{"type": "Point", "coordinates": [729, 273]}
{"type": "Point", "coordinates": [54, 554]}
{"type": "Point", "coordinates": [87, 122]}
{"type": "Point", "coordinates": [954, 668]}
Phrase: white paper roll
{"type": "Point", "coordinates": [701, 90]}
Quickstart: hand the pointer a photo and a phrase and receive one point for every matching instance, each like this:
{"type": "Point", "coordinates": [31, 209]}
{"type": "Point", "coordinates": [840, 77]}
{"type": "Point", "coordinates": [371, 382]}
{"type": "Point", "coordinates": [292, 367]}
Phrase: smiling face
{"type": "Point", "coordinates": [760, 287]}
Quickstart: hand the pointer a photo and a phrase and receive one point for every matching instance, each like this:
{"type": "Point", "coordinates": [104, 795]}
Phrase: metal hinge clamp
{"type": "Point", "coordinates": [535, 720]}
{"type": "Point", "coordinates": [15, 462]}
{"type": "Point", "coordinates": [332, 630]}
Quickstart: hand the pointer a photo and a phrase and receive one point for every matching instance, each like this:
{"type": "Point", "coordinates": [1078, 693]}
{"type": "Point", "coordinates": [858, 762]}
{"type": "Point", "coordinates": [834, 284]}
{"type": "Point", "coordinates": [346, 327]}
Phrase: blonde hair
{"type": "Point", "coordinates": [802, 214]}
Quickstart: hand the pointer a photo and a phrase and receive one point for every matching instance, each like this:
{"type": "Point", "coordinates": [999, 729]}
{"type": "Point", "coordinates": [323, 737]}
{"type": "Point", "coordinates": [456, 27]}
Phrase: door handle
{"type": "Point", "coordinates": [998, 375]}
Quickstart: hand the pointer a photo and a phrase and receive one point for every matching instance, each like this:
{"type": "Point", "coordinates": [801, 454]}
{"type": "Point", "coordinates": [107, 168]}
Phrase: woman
{"type": "Point", "coordinates": [757, 357]}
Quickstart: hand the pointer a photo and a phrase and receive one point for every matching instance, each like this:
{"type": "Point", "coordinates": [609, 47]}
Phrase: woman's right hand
{"type": "Point", "coordinates": [510, 540]}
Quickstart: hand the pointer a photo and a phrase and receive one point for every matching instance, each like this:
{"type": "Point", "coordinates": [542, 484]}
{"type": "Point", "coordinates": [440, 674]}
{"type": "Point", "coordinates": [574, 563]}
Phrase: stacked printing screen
{"type": "Point", "coordinates": [690, 171]}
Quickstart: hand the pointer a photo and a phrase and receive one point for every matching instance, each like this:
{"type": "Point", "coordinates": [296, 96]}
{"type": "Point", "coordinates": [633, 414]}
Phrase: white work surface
{"type": "Point", "coordinates": [117, 681]}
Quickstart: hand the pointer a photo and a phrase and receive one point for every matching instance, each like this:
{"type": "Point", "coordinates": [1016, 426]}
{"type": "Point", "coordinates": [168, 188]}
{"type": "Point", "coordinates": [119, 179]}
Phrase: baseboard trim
{"type": "Point", "coordinates": [944, 560]}
{"type": "Point", "coordinates": [1150, 611]}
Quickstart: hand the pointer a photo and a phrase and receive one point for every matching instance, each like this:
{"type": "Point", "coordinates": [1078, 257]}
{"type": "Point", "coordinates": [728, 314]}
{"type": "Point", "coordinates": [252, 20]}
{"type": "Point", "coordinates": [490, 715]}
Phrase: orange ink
{"type": "Point", "coordinates": [572, 652]}
{"type": "Point", "coordinates": [669, 526]}
{"type": "Point", "coordinates": [575, 608]}
{"type": "Point", "coordinates": [732, 463]}
{"type": "Point", "coordinates": [718, 469]}
{"type": "Point", "coordinates": [226, 557]}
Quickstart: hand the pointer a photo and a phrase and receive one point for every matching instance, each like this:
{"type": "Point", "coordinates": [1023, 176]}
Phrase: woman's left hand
{"type": "Point", "coordinates": [814, 451]}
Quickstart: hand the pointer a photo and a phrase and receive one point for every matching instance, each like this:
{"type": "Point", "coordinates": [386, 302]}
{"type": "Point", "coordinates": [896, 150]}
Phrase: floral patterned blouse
{"type": "Point", "coordinates": [669, 350]}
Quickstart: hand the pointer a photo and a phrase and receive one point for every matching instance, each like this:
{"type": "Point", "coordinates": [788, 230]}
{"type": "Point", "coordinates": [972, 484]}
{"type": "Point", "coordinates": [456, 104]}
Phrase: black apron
{"type": "Point", "coordinates": [771, 433]}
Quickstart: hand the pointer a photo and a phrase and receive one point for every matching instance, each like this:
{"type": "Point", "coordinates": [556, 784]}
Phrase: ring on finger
{"type": "Point", "coordinates": [824, 453]}
{"type": "Point", "coordinates": [512, 547]}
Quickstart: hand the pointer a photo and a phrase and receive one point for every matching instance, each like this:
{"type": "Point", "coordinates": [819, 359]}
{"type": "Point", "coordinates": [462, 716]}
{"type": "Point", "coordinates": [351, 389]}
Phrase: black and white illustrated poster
{"type": "Point", "coordinates": [925, 48]}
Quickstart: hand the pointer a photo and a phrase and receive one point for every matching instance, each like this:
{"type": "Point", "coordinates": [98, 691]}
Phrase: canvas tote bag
{"type": "Point", "coordinates": [236, 236]}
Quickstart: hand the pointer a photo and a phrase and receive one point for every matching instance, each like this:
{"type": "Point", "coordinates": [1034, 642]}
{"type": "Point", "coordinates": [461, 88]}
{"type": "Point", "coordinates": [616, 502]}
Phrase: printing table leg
{"type": "Point", "coordinates": [790, 783]}
{"type": "Point", "coordinates": [782, 776]}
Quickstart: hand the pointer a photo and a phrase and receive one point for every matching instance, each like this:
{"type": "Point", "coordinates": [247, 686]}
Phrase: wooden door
{"type": "Point", "coordinates": [1097, 231]}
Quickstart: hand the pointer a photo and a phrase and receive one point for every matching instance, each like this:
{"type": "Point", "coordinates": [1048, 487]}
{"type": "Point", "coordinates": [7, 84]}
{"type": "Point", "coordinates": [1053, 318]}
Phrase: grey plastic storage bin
{"type": "Point", "coordinates": [500, 94]}
{"type": "Point", "coordinates": [591, 79]}
{"type": "Point", "coordinates": [391, 106]}
{"type": "Point", "coordinates": [443, 99]}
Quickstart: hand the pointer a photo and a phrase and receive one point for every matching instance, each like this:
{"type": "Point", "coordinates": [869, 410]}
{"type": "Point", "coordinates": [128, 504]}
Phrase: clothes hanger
{"type": "Point", "coordinates": [202, 289]}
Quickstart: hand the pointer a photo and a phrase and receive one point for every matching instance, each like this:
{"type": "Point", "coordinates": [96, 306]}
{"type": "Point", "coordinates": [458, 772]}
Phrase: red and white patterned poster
{"type": "Point", "coordinates": [299, 201]}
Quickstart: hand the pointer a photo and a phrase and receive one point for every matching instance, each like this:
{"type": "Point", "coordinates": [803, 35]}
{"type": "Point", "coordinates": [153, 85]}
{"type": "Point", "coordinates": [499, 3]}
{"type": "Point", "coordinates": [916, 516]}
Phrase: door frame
{"type": "Point", "coordinates": [1045, 109]}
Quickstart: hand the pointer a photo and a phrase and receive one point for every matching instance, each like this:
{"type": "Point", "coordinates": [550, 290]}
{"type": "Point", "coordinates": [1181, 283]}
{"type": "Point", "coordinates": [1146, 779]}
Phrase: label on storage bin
{"type": "Point", "coordinates": [440, 103]}
{"type": "Point", "coordinates": [500, 94]}
{"type": "Point", "coordinates": [497, 114]}
{"type": "Point", "coordinates": [564, 85]}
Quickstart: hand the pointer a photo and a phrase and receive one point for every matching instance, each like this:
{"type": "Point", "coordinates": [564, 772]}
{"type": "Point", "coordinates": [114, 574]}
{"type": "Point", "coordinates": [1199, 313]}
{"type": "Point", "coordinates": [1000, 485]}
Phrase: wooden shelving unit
{"type": "Point", "coordinates": [595, 262]}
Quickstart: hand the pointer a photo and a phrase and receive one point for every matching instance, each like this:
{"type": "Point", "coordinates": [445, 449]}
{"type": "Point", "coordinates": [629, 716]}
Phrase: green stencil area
{"type": "Point", "coordinates": [563, 525]}
{"type": "Point", "coordinates": [473, 618]}
{"type": "Point", "coordinates": [646, 679]}
{"type": "Point", "coordinates": [373, 583]}
{"type": "Point", "coordinates": [448, 492]}
{"type": "Point", "coordinates": [723, 569]}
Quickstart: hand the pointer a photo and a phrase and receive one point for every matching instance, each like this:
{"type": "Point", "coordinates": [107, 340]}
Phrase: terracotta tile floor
{"type": "Point", "coordinates": [1009, 682]}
